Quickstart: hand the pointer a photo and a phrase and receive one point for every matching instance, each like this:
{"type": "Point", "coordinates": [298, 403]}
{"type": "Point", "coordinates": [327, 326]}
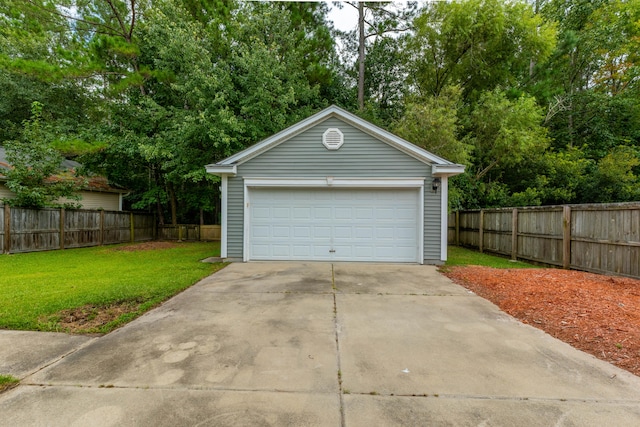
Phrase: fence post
{"type": "Point", "coordinates": [481, 231]}
{"type": "Point", "coordinates": [7, 228]}
{"type": "Point", "coordinates": [457, 228]}
{"type": "Point", "coordinates": [132, 228]}
{"type": "Point", "coordinates": [514, 234]}
{"type": "Point", "coordinates": [566, 237]}
{"type": "Point", "coordinates": [61, 228]}
{"type": "Point", "coordinates": [155, 227]}
{"type": "Point", "coordinates": [101, 228]}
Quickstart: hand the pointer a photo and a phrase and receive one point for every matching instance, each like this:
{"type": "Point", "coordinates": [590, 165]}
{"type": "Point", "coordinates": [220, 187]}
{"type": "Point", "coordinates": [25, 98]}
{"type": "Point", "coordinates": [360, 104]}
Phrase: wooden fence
{"type": "Point", "coordinates": [189, 232]}
{"type": "Point", "coordinates": [599, 238]}
{"type": "Point", "coordinates": [30, 230]}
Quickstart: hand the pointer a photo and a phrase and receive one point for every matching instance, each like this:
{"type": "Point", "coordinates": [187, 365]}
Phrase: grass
{"type": "Point", "coordinates": [7, 382]}
{"type": "Point", "coordinates": [458, 256]}
{"type": "Point", "coordinates": [36, 287]}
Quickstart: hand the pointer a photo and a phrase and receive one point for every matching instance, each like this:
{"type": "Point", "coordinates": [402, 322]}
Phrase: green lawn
{"type": "Point", "coordinates": [462, 256]}
{"type": "Point", "coordinates": [37, 286]}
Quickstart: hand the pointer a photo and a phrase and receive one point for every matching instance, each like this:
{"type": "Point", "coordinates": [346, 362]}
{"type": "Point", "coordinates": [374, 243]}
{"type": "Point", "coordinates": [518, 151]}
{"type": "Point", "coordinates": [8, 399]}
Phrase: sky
{"type": "Point", "coordinates": [344, 19]}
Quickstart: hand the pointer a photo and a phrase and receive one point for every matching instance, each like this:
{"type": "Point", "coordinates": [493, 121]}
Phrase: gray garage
{"type": "Point", "coordinates": [334, 187]}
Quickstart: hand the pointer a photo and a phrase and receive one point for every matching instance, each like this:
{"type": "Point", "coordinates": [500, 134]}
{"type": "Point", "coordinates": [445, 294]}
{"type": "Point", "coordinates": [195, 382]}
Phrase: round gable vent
{"type": "Point", "coordinates": [332, 138]}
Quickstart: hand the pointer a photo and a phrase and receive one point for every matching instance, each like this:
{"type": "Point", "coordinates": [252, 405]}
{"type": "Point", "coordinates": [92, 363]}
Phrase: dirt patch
{"type": "Point", "coordinates": [90, 318]}
{"type": "Point", "coordinates": [596, 314]}
{"type": "Point", "coordinates": [146, 246]}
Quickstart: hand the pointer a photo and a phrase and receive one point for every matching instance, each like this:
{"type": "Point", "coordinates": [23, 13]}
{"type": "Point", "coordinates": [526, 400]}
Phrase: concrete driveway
{"type": "Point", "coordinates": [320, 344]}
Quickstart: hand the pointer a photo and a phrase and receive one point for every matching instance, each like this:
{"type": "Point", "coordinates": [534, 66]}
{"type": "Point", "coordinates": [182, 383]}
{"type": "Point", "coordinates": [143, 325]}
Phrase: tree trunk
{"type": "Point", "coordinates": [174, 207]}
{"type": "Point", "coordinates": [361, 41]}
{"type": "Point", "coordinates": [160, 213]}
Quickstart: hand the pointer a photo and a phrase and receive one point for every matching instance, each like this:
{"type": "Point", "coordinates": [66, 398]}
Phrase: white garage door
{"type": "Point", "coordinates": [333, 224]}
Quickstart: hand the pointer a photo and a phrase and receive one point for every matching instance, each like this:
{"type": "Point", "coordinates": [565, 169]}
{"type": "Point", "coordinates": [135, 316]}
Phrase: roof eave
{"type": "Point", "coordinates": [451, 169]}
{"type": "Point", "coordinates": [222, 170]}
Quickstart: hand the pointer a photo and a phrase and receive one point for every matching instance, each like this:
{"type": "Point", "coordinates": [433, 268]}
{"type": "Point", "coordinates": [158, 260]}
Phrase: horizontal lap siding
{"type": "Point", "coordinates": [304, 156]}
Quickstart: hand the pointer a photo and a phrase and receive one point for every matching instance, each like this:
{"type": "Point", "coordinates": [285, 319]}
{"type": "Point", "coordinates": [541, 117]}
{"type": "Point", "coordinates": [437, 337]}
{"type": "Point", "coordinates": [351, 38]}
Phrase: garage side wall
{"type": "Point", "coordinates": [361, 156]}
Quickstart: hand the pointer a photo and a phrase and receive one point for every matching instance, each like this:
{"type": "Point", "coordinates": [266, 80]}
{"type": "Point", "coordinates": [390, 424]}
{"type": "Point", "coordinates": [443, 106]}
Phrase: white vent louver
{"type": "Point", "coordinates": [332, 138]}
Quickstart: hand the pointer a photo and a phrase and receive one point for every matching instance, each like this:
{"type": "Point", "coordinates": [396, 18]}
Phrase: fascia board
{"type": "Point", "coordinates": [447, 170]}
{"type": "Point", "coordinates": [217, 169]}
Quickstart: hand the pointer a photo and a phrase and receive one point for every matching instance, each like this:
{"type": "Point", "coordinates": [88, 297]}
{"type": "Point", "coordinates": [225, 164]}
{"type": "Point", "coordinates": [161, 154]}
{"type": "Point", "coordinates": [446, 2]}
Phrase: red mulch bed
{"type": "Point", "coordinates": [596, 314]}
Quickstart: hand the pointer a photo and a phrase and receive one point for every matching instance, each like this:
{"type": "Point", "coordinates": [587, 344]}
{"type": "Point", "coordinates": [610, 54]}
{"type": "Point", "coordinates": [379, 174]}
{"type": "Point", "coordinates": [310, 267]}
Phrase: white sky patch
{"type": "Point", "coordinates": [345, 19]}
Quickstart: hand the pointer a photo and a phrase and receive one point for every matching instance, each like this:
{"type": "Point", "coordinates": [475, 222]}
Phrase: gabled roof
{"type": "Point", "coordinates": [92, 183]}
{"type": "Point", "coordinates": [440, 166]}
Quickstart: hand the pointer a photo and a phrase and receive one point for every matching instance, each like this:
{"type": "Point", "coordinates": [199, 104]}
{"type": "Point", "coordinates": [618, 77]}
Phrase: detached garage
{"type": "Point", "coordinates": [334, 187]}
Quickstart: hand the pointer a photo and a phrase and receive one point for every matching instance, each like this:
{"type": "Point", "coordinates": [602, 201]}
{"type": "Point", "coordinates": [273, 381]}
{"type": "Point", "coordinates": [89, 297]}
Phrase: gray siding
{"type": "Point", "coordinates": [304, 156]}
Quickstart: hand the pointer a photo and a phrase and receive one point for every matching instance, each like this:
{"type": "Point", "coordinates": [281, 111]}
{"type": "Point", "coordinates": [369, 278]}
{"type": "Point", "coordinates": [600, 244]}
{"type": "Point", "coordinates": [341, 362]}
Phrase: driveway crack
{"type": "Point", "coordinates": [336, 328]}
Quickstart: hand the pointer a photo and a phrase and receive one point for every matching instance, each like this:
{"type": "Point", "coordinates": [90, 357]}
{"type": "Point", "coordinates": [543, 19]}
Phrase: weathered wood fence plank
{"type": "Point", "coordinates": [29, 230]}
{"type": "Point", "coordinates": [189, 232]}
{"type": "Point", "coordinates": [600, 238]}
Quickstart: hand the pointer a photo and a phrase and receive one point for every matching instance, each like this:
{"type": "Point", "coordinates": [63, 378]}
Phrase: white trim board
{"type": "Point", "coordinates": [338, 182]}
{"type": "Point", "coordinates": [224, 194]}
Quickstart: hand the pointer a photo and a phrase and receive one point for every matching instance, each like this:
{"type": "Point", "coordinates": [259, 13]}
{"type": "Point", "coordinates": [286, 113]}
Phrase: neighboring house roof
{"type": "Point", "coordinates": [440, 166]}
{"type": "Point", "coordinates": [93, 183]}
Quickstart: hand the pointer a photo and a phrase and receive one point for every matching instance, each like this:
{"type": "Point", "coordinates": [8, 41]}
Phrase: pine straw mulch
{"type": "Point", "coordinates": [597, 314]}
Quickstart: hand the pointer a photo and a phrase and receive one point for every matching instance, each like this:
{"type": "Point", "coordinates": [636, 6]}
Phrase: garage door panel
{"type": "Point", "coordinates": [364, 233]}
{"type": "Point", "coordinates": [320, 232]}
{"type": "Point", "coordinates": [364, 214]}
{"type": "Point", "coordinates": [342, 232]}
{"type": "Point", "coordinates": [302, 232]}
{"type": "Point", "coordinates": [302, 213]}
{"type": "Point", "coordinates": [261, 231]}
{"type": "Point", "coordinates": [301, 251]}
{"type": "Point", "coordinates": [322, 213]}
{"type": "Point", "coordinates": [343, 213]}
{"type": "Point", "coordinates": [281, 231]}
{"type": "Point", "coordinates": [321, 251]}
{"type": "Point", "coordinates": [279, 213]}
{"type": "Point", "coordinates": [262, 213]}
{"type": "Point", "coordinates": [334, 224]}
{"type": "Point", "coordinates": [281, 250]}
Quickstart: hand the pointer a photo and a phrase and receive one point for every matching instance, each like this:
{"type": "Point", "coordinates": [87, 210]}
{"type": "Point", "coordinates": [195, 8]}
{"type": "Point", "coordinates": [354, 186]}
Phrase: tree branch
{"type": "Point", "coordinates": [74, 18]}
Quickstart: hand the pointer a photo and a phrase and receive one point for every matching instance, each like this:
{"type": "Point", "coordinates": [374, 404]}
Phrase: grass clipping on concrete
{"type": "Point", "coordinates": [95, 290]}
{"type": "Point", "coordinates": [7, 382]}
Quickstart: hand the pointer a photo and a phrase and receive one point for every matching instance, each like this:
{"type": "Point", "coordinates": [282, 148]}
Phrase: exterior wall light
{"type": "Point", "coordinates": [435, 184]}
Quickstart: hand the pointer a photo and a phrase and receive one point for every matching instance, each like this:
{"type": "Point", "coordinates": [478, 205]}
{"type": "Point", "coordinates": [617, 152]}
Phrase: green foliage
{"type": "Point", "coordinates": [35, 176]}
{"type": "Point", "coordinates": [432, 123]}
{"type": "Point", "coordinates": [504, 132]}
{"type": "Point", "coordinates": [476, 44]}
{"type": "Point", "coordinates": [545, 110]}
{"type": "Point", "coordinates": [36, 286]}
{"type": "Point", "coordinates": [615, 176]}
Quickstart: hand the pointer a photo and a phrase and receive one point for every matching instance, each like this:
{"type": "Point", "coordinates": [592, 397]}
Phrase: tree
{"type": "Point", "coordinates": [35, 176]}
{"type": "Point", "coordinates": [503, 131]}
{"type": "Point", "coordinates": [432, 124]}
{"type": "Point", "coordinates": [476, 44]}
{"type": "Point", "coordinates": [376, 20]}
